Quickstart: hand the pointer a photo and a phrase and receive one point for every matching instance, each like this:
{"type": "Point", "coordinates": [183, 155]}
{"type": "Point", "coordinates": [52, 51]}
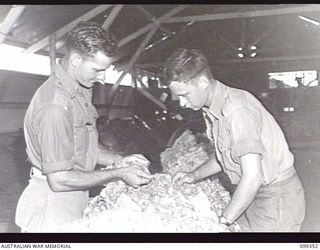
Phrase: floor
{"type": "Point", "coordinates": [14, 173]}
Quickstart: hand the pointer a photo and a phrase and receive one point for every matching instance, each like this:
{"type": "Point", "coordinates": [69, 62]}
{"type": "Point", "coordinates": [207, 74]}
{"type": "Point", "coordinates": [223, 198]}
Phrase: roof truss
{"type": "Point", "coordinates": [148, 27]}
{"type": "Point", "coordinates": [112, 16]}
{"type": "Point", "coordinates": [12, 16]}
{"type": "Point", "coordinates": [256, 13]}
{"type": "Point", "coordinates": [59, 33]}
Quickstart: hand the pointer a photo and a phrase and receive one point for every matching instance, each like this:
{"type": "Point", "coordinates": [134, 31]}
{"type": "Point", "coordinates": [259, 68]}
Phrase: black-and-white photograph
{"type": "Point", "coordinates": [159, 118]}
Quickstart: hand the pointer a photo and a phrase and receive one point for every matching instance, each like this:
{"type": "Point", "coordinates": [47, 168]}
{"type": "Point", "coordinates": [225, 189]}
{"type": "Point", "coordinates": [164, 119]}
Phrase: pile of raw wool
{"type": "Point", "coordinates": [160, 206]}
{"type": "Point", "coordinates": [187, 153]}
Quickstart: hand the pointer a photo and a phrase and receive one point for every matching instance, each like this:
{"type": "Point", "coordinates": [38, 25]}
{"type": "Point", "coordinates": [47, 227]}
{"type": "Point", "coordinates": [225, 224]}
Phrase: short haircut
{"type": "Point", "coordinates": [88, 38]}
{"type": "Point", "coordinates": [184, 65]}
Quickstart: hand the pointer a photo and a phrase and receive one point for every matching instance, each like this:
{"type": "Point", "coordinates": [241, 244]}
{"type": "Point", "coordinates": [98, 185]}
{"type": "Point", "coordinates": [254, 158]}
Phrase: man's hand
{"type": "Point", "coordinates": [135, 176]}
{"type": "Point", "coordinates": [183, 177]}
{"type": "Point", "coordinates": [224, 220]}
{"type": "Point", "coordinates": [136, 159]}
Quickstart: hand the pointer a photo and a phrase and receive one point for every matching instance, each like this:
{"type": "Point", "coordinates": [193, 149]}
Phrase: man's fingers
{"type": "Point", "coordinates": [145, 175]}
{"type": "Point", "coordinates": [145, 180]}
{"type": "Point", "coordinates": [143, 161]}
{"type": "Point", "coordinates": [182, 180]}
{"type": "Point", "coordinates": [177, 177]}
{"type": "Point", "coordinates": [138, 158]}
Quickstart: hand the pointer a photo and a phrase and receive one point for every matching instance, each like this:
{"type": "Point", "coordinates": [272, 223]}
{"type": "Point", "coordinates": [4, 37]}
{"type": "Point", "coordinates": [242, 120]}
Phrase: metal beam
{"type": "Point", "coordinates": [12, 16]}
{"type": "Point", "coordinates": [152, 18]}
{"type": "Point", "coordinates": [148, 27]}
{"type": "Point", "coordinates": [152, 98]}
{"type": "Point", "coordinates": [59, 33]}
{"type": "Point", "coordinates": [52, 52]}
{"type": "Point", "coordinates": [112, 16]}
{"type": "Point", "coordinates": [170, 35]}
{"type": "Point", "coordinates": [247, 14]}
{"type": "Point", "coordinates": [131, 62]}
{"type": "Point", "coordinates": [266, 59]}
{"type": "Point", "coordinates": [134, 81]}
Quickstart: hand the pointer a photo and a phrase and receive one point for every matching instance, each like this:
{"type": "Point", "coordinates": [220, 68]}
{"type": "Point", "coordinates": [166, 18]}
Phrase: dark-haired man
{"type": "Point", "coordinates": [62, 139]}
{"type": "Point", "coordinates": [250, 148]}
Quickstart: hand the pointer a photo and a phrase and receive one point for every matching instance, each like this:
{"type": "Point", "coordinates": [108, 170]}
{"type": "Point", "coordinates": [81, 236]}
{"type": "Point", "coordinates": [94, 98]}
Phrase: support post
{"type": "Point", "coordinates": [52, 52]}
{"type": "Point", "coordinates": [131, 63]}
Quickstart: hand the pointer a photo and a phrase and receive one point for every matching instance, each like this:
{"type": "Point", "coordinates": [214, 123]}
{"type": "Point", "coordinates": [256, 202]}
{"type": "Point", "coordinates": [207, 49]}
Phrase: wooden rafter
{"type": "Point", "coordinates": [132, 61]}
{"type": "Point", "coordinates": [112, 16]}
{"type": "Point", "coordinates": [150, 17]}
{"type": "Point", "coordinates": [151, 97]}
{"type": "Point", "coordinates": [146, 28]}
{"type": "Point", "coordinates": [59, 33]}
{"type": "Point", "coordinates": [12, 16]}
{"type": "Point", "coordinates": [247, 14]}
{"type": "Point", "coordinates": [52, 52]}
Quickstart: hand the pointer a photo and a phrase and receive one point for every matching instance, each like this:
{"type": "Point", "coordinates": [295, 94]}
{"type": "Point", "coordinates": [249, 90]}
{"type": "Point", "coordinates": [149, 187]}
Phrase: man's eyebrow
{"type": "Point", "coordinates": [99, 69]}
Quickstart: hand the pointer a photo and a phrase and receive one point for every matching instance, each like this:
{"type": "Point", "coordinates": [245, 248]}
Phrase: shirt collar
{"type": "Point", "coordinates": [66, 80]}
{"type": "Point", "coordinates": [218, 100]}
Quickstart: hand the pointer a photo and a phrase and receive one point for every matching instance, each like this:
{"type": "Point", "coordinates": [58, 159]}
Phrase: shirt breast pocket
{"type": "Point", "coordinates": [81, 137]}
{"type": "Point", "coordinates": [80, 126]}
{"type": "Point", "coordinates": [224, 140]}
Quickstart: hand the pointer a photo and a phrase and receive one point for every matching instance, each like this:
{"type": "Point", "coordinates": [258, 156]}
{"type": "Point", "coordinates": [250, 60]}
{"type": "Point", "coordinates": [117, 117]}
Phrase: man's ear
{"type": "Point", "coordinates": [203, 82]}
{"type": "Point", "coordinates": [75, 59]}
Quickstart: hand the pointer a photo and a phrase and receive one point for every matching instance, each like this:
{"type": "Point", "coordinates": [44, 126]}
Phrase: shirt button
{"type": "Point", "coordinates": [59, 83]}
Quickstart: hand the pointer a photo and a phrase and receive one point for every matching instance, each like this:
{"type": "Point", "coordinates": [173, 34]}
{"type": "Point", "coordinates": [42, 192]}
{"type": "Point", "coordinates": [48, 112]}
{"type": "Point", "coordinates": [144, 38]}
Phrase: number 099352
{"type": "Point", "coordinates": [309, 246]}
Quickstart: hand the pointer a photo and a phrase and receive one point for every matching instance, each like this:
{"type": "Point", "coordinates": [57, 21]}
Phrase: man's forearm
{"type": "Point", "coordinates": [80, 180]}
{"type": "Point", "coordinates": [106, 157]}
{"type": "Point", "coordinates": [250, 182]}
{"type": "Point", "coordinates": [242, 197]}
{"type": "Point", "coordinates": [209, 168]}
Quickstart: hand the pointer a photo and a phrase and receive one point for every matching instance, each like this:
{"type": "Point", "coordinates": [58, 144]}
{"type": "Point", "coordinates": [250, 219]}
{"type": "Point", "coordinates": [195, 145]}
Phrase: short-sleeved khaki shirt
{"type": "Point", "coordinates": [60, 126]}
{"type": "Point", "coordinates": [239, 124]}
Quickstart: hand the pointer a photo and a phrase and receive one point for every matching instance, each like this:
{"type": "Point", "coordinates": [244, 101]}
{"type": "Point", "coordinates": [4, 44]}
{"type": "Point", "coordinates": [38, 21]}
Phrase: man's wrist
{"type": "Point", "coordinates": [120, 173]}
{"type": "Point", "coordinates": [117, 158]}
{"type": "Point", "coordinates": [194, 176]}
{"type": "Point", "coordinates": [224, 220]}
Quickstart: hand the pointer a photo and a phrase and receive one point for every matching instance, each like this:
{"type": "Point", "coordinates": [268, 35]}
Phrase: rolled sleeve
{"type": "Point", "coordinates": [245, 126]}
{"type": "Point", "coordinates": [244, 147]}
{"type": "Point", "coordinates": [55, 137]}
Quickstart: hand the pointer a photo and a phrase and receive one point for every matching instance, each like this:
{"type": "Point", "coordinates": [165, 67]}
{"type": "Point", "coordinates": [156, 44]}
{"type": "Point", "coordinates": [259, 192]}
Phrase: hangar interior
{"type": "Point", "coordinates": [271, 50]}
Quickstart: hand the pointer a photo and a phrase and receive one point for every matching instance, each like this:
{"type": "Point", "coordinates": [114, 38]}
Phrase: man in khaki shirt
{"type": "Point", "coordinates": [62, 139]}
{"type": "Point", "coordinates": [250, 148]}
